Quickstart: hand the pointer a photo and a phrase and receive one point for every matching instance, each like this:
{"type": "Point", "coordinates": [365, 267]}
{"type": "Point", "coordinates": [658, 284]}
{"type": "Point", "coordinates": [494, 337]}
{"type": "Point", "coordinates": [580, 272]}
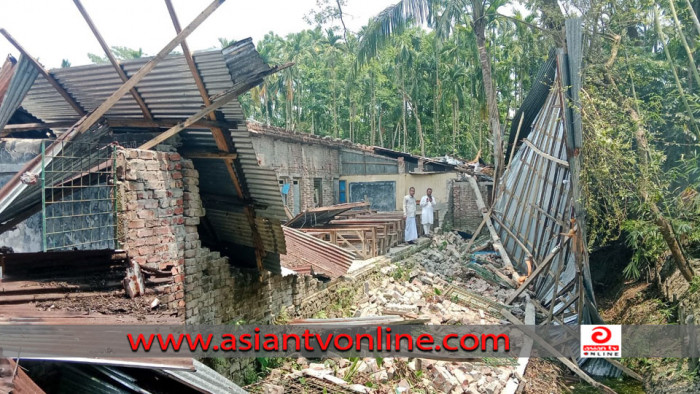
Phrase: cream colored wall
{"type": "Point", "coordinates": [438, 182]}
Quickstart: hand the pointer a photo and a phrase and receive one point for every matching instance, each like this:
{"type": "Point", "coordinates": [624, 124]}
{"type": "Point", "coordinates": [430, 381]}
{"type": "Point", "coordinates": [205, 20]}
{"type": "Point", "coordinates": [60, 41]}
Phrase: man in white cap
{"type": "Point", "coordinates": [428, 204]}
{"type": "Point", "coordinates": [409, 215]}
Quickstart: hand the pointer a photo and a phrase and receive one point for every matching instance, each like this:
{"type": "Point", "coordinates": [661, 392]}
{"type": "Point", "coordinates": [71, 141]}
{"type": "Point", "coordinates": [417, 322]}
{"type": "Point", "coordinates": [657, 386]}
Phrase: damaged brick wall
{"type": "Point", "coordinates": [159, 210]}
{"type": "Point", "coordinates": [465, 213]}
{"type": "Point", "coordinates": [303, 162]}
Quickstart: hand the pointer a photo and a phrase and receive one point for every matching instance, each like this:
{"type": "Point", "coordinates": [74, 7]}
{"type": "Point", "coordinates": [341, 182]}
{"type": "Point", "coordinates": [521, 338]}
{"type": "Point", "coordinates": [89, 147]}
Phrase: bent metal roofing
{"type": "Point", "coordinates": [170, 92]}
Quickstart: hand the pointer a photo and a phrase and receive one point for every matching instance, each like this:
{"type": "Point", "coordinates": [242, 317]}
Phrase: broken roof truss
{"type": "Point", "coordinates": [191, 95]}
{"type": "Point", "coordinates": [538, 215]}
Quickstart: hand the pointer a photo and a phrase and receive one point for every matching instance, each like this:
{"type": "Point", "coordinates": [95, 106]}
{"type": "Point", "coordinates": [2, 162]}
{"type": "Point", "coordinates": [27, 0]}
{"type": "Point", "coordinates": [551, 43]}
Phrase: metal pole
{"type": "Point", "coordinates": [43, 195]}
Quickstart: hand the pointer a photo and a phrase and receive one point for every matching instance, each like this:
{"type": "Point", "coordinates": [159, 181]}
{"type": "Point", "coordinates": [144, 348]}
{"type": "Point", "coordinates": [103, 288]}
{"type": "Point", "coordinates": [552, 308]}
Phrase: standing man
{"type": "Point", "coordinates": [428, 204]}
{"type": "Point", "coordinates": [409, 215]}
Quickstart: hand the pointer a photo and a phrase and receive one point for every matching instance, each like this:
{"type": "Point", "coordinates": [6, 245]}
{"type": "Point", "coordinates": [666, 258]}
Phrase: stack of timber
{"type": "Point", "coordinates": [354, 227]}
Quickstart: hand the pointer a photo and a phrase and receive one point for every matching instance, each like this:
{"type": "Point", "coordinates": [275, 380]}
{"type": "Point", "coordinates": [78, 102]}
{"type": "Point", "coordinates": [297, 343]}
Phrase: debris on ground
{"type": "Point", "coordinates": [429, 285]}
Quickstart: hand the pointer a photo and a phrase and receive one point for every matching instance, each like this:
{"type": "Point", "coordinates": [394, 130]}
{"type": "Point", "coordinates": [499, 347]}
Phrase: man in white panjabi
{"type": "Point", "coordinates": [409, 215]}
{"type": "Point", "coordinates": [428, 204]}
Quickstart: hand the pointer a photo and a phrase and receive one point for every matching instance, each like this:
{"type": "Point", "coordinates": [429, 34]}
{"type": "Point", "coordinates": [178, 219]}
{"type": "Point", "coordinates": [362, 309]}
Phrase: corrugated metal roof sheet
{"type": "Point", "coordinates": [169, 91]}
{"type": "Point", "coordinates": [23, 76]}
{"type": "Point", "coordinates": [321, 215]}
{"type": "Point", "coordinates": [205, 380]}
{"type": "Point", "coordinates": [308, 254]}
{"type": "Point", "coordinates": [536, 199]}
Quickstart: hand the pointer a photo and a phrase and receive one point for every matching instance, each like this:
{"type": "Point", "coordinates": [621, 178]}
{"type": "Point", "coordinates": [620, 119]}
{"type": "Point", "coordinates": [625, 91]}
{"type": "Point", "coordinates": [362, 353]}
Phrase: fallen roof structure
{"type": "Point", "coordinates": [119, 376]}
{"type": "Point", "coordinates": [90, 104]}
{"type": "Point", "coordinates": [537, 213]}
{"type": "Point", "coordinates": [309, 255]}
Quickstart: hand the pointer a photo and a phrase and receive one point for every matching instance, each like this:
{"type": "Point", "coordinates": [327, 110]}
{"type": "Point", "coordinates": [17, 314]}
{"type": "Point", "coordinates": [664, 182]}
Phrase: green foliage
{"type": "Point", "coordinates": [397, 85]}
{"type": "Point", "coordinates": [352, 369]}
{"type": "Point", "coordinates": [328, 92]}
{"type": "Point", "coordinates": [119, 52]}
{"type": "Point", "coordinates": [694, 285]}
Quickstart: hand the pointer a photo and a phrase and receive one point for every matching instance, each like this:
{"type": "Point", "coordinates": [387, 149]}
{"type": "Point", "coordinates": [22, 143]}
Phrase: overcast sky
{"type": "Point", "coordinates": [52, 30]}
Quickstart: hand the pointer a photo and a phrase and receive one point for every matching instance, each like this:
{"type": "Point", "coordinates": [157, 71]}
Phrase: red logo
{"type": "Point", "coordinates": [601, 334]}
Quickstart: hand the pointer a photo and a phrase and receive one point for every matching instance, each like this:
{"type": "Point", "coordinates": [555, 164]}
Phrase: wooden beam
{"type": "Point", "coordinates": [545, 263]}
{"type": "Point", "coordinates": [119, 122]}
{"type": "Point", "coordinates": [494, 236]}
{"type": "Point", "coordinates": [547, 156]}
{"type": "Point", "coordinates": [209, 155]}
{"type": "Point", "coordinates": [50, 78]}
{"type": "Point", "coordinates": [113, 60]}
{"type": "Point", "coordinates": [515, 238]}
{"type": "Point", "coordinates": [136, 78]}
{"type": "Point", "coordinates": [512, 385]}
{"type": "Point", "coordinates": [220, 139]}
{"type": "Point", "coordinates": [546, 346]}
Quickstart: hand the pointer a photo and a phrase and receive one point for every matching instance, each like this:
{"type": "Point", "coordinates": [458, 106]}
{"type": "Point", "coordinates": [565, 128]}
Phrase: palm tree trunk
{"type": "Point", "coordinates": [419, 125]}
{"type": "Point", "coordinates": [479, 23]}
{"type": "Point", "coordinates": [455, 104]}
{"type": "Point", "coordinates": [373, 114]}
{"type": "Point", "coordinates": [396, 133]}
{"type": "Point", "coordinates": [335, 107]}
{"type": "Point", "coordinates": [352, 121]}
{"type": "Point", "coordinates": [403, 115]}
{"type": "Point", "coordinates": [436, 100]}
{"type": "Point", "coordinates": [379, 129]}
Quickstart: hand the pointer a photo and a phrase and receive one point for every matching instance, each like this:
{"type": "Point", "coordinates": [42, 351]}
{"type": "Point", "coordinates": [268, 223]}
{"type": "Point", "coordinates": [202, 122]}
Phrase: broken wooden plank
{"type": "Point", "coordinates": [494, 236]}
{"type": "Point", "coordinates": [476, 233]}
{"type": "Point", "coordinates": [564, 360]}
{"type": "Point", "coordinates": [142, 104]}
{"type": "Point", "coordinates": [209, 155]}
{"type": "Point", "coordinates": [545, 263]}
{"type": "Point", "coordinates": [524, 359]}
{"type": "Point", "coordinates": [95, 115]}
{"type": "Point", "coordinates": [629, 372]}
{"type": "Point", "coordinates": [522, 245]}
{"type": "Point", "coordinates": [164, 123]}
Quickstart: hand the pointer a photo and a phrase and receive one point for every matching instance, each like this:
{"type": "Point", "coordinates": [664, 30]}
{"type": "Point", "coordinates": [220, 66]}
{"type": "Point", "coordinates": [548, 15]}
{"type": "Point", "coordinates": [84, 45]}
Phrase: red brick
{"type": "Point", "coordinates": [153, 259]}
{"type": "Point", "coordinates": [144, 232]}
{"type": "Point", "coordinates": [174, 156]}
{"type": "Point", "coordinates": [147, 154]}
{"type": "Point", "coordinates": [176, 175]}
{"type": "Point", "coordinates": [145, 250]}
{"type": "Point", "coordinates": [179, 210]}
{"type": "Point", "coordinates": [162, 230]}
{"type": "Point", "coordinates": [137, 224]}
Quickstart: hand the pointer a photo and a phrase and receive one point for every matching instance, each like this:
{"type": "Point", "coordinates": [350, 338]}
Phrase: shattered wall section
{"type": "Point", "coordinates": [301, 162]}
{"type": "Point", "coordinates": [159, 210]}
{"type": "Point", "coordinates": [462, 208]}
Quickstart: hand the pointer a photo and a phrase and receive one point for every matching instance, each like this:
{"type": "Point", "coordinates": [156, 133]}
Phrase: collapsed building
{"type": "Point", "coordinates": [149, 167]}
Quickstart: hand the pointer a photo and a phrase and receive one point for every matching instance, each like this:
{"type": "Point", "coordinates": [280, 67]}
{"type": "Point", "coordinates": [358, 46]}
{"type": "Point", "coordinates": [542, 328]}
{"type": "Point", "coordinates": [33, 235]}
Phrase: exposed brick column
{"type": "Point", "coordinates": [159, 210]}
